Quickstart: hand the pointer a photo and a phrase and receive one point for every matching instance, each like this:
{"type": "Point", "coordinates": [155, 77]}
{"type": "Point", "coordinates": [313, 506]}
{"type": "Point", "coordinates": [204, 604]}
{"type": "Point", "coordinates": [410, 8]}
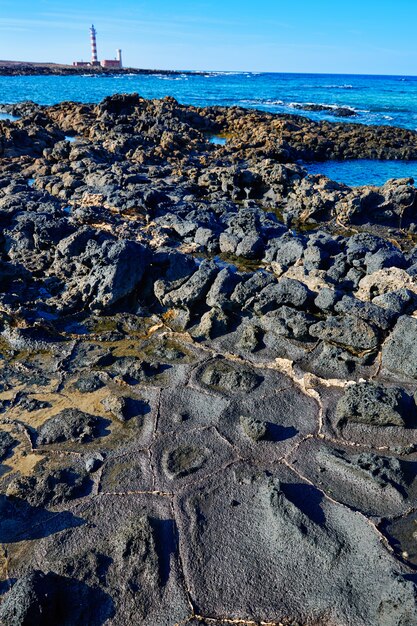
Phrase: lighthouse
{"type": "Point", "coordinates": [115, 64]}
{"type": "Point", "coordinates": [94, 58]}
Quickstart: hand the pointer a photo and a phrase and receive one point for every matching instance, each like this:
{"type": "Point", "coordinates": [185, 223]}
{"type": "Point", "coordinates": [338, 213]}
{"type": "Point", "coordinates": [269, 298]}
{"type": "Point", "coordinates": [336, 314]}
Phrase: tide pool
{"type": "Point", "coordinates": [356, 173]}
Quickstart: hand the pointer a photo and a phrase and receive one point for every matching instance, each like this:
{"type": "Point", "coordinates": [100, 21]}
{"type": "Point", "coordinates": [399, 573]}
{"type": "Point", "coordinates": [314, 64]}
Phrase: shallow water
{"type": "Point", "coordinates": [356, 173]}
{"type": "Point", "coordinates": [7, 116]}
{"type": "Point", "coordinates": [218, 141]}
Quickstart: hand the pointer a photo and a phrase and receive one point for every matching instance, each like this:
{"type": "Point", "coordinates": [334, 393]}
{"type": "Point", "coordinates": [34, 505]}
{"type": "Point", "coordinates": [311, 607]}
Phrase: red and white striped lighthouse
{"type": "Point", "coordinates": [94, 58]}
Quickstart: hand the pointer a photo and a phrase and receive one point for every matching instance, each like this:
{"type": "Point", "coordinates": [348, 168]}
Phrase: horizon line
{"type": "Point", "coordinates": [224, 71]}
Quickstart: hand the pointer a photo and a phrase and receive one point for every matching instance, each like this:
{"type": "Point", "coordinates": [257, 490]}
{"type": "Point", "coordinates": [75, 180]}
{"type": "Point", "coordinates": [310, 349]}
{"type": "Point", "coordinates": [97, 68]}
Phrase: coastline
{"type": "Point", "coordinates": [17, 68]}
{"type": "Point", "coordinates": [208, 379]}
{"type": "Point", "coordinates": [332, 98]}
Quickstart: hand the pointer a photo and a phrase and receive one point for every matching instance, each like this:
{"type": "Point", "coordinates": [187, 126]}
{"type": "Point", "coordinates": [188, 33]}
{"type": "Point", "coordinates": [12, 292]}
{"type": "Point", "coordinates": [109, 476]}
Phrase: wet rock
{"type": "Point", "coordinates": [21, 109]}
{"type": "Point", "coordinates": [334, 110]}
{"type": "Point", "coordinates": [373, 404]}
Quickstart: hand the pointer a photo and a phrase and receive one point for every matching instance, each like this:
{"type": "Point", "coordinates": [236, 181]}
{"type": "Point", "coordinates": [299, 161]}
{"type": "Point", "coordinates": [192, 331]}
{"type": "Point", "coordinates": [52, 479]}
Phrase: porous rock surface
{"type": "Point", "coordinates": [208, 370]}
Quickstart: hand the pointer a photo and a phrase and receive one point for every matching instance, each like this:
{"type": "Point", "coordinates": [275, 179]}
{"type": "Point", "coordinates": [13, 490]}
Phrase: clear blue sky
{"type": "Point", "coordinates": [357, 36]}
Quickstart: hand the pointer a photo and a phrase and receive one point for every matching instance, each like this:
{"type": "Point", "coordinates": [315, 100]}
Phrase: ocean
{"type": "Point", "coordinates": [386, 100]}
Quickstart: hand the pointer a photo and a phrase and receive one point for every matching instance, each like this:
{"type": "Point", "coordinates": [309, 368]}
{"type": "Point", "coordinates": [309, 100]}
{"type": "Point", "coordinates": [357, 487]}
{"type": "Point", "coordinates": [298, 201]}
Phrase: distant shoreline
{"type": "Point", "coordinates": [20, 68]}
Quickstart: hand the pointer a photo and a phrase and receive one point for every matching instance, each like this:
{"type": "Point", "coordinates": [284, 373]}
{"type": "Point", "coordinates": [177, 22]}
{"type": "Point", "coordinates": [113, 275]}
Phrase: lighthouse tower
{"type": "Point", "coordinates": [94, 59]}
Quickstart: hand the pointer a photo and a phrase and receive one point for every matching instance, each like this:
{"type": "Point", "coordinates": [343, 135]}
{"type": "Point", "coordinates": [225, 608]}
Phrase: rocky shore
{"type": "Point", "coordinates": [208, 370]}
{"type": "Point", "coordinates": [17, 68]}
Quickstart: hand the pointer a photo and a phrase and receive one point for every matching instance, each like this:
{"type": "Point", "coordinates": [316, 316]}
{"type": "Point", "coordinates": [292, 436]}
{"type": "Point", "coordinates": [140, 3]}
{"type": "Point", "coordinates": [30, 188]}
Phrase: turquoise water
{"type": "Point", "coordinates": [6, 116]}
{"type": "Point", "coordinates": [218, 141]}
{"type": "Point", "coordinates": [384, 100]}
{"type": "Point", "coordinates": [376, 99]}
{"type": "Point", "coordinates": [356, 173]}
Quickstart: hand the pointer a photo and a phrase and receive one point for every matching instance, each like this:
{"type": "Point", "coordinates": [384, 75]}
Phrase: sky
{"type": "Point", "coordinates": [321, 36]}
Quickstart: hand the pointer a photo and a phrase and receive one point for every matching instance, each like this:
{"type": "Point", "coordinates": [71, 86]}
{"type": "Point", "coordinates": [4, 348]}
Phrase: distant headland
{"type": "Point", "coordinates": [26, 68]}
{"type": "Point", "coordinates": [94, 66]}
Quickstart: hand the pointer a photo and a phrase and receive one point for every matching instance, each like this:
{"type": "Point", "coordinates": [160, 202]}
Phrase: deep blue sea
{"type": "Point", "coordinates": [388, 100]}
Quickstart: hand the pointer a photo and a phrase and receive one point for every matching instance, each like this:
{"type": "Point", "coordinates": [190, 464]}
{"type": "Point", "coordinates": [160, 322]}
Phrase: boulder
{"type": "Point", "coordinates": [399, 353]}
{"type": "Point", "coordinates": [255, 429]}
{"type": "Point", "coordinates": [286, 292]}
{"type": "Point", "coordinates": [7, 443]}
{"type": "Point", "coordinates": [224, 284]}
{"type": "Point", "coordinates": [347, 331]}
{"type": "Point", "coordinates": [68, 425]}
{"type": "Point", "coordinates": [194, 289]}
{"type": "Point", "coordinates": [375, 405]}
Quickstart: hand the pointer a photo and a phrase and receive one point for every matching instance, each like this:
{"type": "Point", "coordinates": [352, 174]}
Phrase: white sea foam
{"type": "Point", "coordinates": [335, 107]}
{"type": "Point", "coordinates": [171, 78]}
{"type": "Point", "coordinates": [337, 86]}
{"type": "Point", "coordinates": [262, 102]}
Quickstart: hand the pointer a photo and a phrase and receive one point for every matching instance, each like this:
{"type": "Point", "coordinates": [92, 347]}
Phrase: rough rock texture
{"type": "Point", "coordinates": [373, 404]}
{"type": "Point", "coordinates": [208, 370]}
{"type": "Point", "coordinates": [68, 425]}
